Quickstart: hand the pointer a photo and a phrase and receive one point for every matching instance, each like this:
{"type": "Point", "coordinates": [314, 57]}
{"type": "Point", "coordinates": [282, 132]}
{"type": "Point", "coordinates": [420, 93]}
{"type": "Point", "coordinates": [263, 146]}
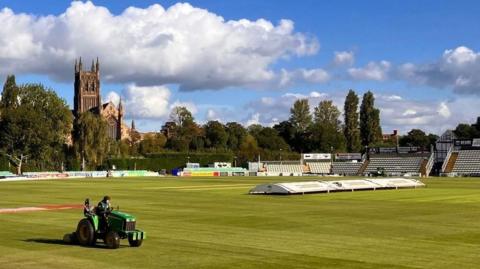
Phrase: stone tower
{"type": "Point", "coordinates": [87, 89]}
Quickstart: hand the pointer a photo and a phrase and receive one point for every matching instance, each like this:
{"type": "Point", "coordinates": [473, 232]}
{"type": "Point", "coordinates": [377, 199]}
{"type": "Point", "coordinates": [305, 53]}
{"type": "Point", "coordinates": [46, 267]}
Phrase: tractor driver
{"type": "Point", "coordinates": [103, 210]}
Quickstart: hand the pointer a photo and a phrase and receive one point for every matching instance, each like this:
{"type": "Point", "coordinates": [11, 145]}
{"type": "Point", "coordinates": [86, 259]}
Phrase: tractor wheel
{"type": "Point", "coordinates": [85, 233]}
{"type": "Point", "coordinates": [112, 240]}
{"type": "Point", "coordinates": [135, 243]}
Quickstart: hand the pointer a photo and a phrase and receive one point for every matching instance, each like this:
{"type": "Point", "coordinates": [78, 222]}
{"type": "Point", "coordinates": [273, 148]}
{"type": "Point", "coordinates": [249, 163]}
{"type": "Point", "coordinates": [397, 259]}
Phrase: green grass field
{"type": "Point", "coordinates": [213, 223]}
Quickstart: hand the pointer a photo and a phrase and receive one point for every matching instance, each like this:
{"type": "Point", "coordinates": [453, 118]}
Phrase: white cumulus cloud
{"type": "Point", "coordinates": [113, 97]}
{"type": "Point", "coordinates": [212, 115]}
{"type": "Point", "coordinates": [405, 114]}
{"type": "Point", "coordinates": [254, 119]}
{"type": "Point", "coordinates": [460, 56]}
{"type": "Point", "coordinates": [288, 78]}
{"type": "Point", "coordinates": [147, 102]}
{"type": "Point", "coordinates": [372, 71]}
{"type": "Point", "coordinates": [183, 44]}
{"type": "Point", "coordinates": [456, 69]}
{"type": "Point", "coordinates": [189, 105]}
{"type": "Point", "coordinates": [344, 58]}
{"type": "Point", "coordinates": [444, 110]}
{"type": "Point", "coordinates": [270, 110]}
{"type": "Point", "coordinates": [396, 112]}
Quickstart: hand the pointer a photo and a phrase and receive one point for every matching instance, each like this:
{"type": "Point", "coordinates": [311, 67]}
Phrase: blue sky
{"type": "Point", "coordinates": [419, 57]}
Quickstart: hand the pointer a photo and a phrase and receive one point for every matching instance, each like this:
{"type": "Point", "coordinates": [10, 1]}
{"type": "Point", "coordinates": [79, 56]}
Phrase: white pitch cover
{"type": "Point", "coordinates": [338, 185]}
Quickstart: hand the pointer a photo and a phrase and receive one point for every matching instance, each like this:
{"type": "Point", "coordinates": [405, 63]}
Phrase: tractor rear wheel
{"type": "Point", "coordinates": [112, 240]}
{"type": "Point", "coordinates": [85, 233]}
{"type": "Point", "coordinates": [135, 243]}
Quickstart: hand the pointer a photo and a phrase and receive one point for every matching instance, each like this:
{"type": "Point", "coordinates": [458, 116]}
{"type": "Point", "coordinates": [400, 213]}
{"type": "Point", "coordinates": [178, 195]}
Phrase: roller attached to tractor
{"type": "Point", "coordinates": [107, 225]}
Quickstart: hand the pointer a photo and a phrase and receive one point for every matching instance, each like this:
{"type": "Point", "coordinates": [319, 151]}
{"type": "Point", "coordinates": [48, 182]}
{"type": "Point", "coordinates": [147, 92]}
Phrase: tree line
{"type": "Point", "coordinates": [38, 132]}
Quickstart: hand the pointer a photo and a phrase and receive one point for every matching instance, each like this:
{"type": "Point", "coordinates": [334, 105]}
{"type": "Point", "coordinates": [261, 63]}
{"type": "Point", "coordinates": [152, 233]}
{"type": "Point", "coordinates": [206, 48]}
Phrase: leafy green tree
{"type": "Point", "coordinates": [91, 139]}
{"type": "Point", "coordinates": [268, 138]}
{"type": "Point", "coordinates": [300, 116]}
{"type": "Point", "coordinates": [133, 142]}
{"type": "Point", "coordinates": [255, 129]}
{"type": "Point", "coordinates": [34, 124]}
{"type": "Point", "coordinates": [118, 149]}
{"type": "Point", "coordinates": [179, 143]}
{"type": "Point", "coordinates": [236, 133]}
{"type": "Point", "coordinates": [152, 143]}
{"type": "Point", "coordinates": [134, 138]}
{"type": "Point", "coordinates": [466, 131]}
{"type": "Point", "coordinates": [432, 139]}
{"type": "Point", "coordinates": [477, 124]}
{"type": "Point", "coordinates": [327, 113]}
{"type": "Point", "coordinates": [415, 138]}
{"type": "Point", "coordinates": [181, 116]}
{"type": "Point", "coordinates": [351, 130]}
{"type": "Point", "coordinates": [123, 148]}
{"type": "Point", "coordinates": [188, 135]}
{"type": "Point", "coordinates": [370, 129]}
{"type": "Point", "coordinates": [198, 141]}
{"type": "Point", "coordinates": [298, 141]}
{"type": "Point", "coordinates": [215, 134]}
{"type": "Point", "coordinates": [286, 130]}
{"type": "Point", "coordinates": [325, 138]}
{"type": "Point", "coordinates": [326, 132]}
{"type": "Point", "coordinates": [248, 150]}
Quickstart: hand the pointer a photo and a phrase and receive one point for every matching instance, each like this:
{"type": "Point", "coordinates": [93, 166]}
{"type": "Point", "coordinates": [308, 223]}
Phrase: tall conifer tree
{"type": "Point", "coordinates": [9, 93]}
{"type": "Point", "coordinates": [370, 129]}
{"type": "Point", "coordinates": [352, 131]}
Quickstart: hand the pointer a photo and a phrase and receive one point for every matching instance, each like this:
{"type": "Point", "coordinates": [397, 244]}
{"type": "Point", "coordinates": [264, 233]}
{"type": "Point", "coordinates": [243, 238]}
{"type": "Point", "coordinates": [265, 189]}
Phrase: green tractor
{"type": "Point", "coordinates": [119, 225]}
{"type": "Point", "coordinates": [380, 172]}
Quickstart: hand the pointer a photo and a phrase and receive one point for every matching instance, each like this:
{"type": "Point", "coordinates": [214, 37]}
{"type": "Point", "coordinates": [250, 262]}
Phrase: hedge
{"type": "Point", "coordinates": [169, 161]}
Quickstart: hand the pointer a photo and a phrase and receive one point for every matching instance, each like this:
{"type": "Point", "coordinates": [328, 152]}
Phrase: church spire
{"type": "Point", "coordinates": [120, 107]}
{"type": "Point", "coordinates": [120, 120]}
{"type": "Point", "coordinates": [97, 66]}
{"type": "Point", "coordinates": [76, 65]}
{"type": "Point", "coordinates": [80, 66]}
{"type": "Point", "coordinates": [93, 66]}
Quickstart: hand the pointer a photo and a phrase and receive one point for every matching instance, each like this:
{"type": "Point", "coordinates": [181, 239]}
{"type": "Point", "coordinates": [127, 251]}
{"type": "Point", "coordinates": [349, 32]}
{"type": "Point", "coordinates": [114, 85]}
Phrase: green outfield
{"type": "Point", "coordinates": [214, 223]}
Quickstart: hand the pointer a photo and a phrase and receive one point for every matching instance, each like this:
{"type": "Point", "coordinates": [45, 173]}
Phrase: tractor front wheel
{"type": "Point", "coordinates": [85, 233]}
{"type": "Point", "coordinates": [135, 243]}
{"type": "Point", "coordinates": [112, 240]}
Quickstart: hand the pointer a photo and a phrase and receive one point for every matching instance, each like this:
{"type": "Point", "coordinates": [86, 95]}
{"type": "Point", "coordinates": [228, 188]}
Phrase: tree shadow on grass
{"type": "Point", "coordinates": [61, 242]}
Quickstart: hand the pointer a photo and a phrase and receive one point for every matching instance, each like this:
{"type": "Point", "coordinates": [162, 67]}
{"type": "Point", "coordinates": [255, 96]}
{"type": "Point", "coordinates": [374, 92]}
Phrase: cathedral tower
{"type": "Point", "coordinates": [87, 89]}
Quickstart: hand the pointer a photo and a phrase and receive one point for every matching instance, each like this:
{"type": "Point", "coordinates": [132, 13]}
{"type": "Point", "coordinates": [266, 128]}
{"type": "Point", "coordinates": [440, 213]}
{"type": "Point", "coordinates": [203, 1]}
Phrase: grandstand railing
{"type": "Point", "coordinates": [429, 166]}
{"type": "Point", "coordinates": [447, 158]}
